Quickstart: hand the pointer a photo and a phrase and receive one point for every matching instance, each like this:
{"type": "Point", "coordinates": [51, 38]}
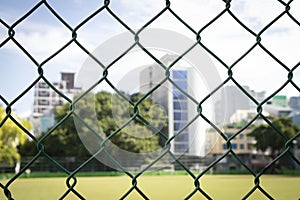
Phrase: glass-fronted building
{"type": "Point", "coordinates": [180, 111]}
{"type": "Point", "coordinates": [174, 96]}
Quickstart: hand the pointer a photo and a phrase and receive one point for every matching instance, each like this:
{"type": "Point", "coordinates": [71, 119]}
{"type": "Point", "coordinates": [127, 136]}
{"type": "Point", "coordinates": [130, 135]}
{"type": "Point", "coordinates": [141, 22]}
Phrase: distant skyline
{"type": "Point", "coordinates": [42, 34]}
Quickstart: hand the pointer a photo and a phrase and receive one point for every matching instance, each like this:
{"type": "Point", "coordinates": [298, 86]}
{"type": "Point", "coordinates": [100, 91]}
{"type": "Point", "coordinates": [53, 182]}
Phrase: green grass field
{"type": "Point", "coordinates": [157, 187]}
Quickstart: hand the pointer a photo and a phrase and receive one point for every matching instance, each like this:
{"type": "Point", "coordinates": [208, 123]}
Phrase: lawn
{"type": "Point", "coordinates": [156, 187]}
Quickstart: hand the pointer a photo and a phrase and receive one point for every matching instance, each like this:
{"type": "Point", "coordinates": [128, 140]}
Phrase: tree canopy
{"type": "Point", "coordinates": [267, 138]}
{"type": "Point", "coordinates": [11, 136]}
{"type": "Point", "coordinates": [111, 112]}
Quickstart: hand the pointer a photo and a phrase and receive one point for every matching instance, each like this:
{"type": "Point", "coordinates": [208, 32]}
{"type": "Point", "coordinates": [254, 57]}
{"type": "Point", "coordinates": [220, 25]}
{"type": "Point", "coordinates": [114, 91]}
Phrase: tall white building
{"type": "Point", "coordinates": [180, 108]}
{"type": "Point", "coordinates": [46, 100]}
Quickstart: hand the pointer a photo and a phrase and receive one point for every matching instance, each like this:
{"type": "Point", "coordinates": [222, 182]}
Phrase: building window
{"type": "Point", "coordinates": [242, 146]}
{"type": "Point", "coordinates": [60, 102]}
{"type": "Point", "coordinates": [176, 126]}
{"type": "Point", "coordinates": [43, 85]}
{"type": "Point", "coordinates": [182, 137]}
{"type": "Point", "coordinates": [180, 105]}
{"type": "Point", "coordinates": [177, 115]}
{"type": "Point", "coordinates": [178, 94]}
{"type": "Point", "coordinates": [176, 105]}
{"type": "Point", "coordinates": [179, 74]}
{"type": "Point", "coordinates": [44, 93]}
{"type": "Point", "coordinates": [181, 148]}
{"type": "Point", "coordinates": [43, 102]}
{"type": "Point", "coordinates": [180, 116]}
{"type": "Point", "coordinates": [41, 110]}
{"type": "Point", "coordinates": [233, 146]}
{"type": "Point", "coordinates": [182, 84]}
{"type": "Point", "coordinates": [241, 136]}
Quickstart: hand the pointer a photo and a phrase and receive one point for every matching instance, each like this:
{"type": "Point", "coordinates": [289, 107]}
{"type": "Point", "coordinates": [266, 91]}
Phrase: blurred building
{"type": "Point", "coordinates": [277, 111]}
{"type": "Point", "coordinates": [245, 116]}
{"type": "Point", "coordinates": [179, 107]}
{"type": "Point", "coordinates": [278, 106]}
{"type": "Point", "coordinates": [241, 144]}
{"type": "Point", "coordinates": [294, 104]}
{"type": "Point", "coordinates": [46, 100]}
{"type": "Point", "coordinates": [233, 99]}
{"type": "Point", "coordinates": [280, 101]}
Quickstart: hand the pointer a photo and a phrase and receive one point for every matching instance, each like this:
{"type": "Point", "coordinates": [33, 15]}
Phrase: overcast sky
{"type": "Point", "coordinates": [41, 34]}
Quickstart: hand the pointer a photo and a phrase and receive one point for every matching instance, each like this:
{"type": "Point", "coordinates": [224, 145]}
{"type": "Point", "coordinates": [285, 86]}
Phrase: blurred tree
{"type": "Point", "coordinates": [137, 136]}
{"type": "Point", "coordinates": [11, 136]}
{"type": "Point", "coordinates": [104, 113]}
{"type": "Point", "coordinates": [267, 138]}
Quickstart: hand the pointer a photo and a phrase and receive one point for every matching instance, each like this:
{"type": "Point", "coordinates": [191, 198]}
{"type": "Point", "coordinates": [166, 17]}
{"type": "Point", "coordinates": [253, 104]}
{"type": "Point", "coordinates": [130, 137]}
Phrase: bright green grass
{"type": "Point", "coordinates": [157, 187]}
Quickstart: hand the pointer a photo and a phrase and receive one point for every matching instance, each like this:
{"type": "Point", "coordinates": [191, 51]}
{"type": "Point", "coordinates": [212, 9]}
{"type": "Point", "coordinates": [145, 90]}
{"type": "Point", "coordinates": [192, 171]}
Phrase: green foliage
{"type": "Point", "coordinates": [267, 137]}
{"type": "Point", "coordinates": [11, 136]}
{"type": "Point", "coordinates": [137, 136]}
{"type": "Point", "coordinates": [101, 115]}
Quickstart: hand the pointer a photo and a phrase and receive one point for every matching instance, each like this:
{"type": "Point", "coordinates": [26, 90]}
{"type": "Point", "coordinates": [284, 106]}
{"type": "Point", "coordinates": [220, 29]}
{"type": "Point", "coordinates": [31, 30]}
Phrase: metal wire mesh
{"type": "Point", "coordinates": [71, 181]}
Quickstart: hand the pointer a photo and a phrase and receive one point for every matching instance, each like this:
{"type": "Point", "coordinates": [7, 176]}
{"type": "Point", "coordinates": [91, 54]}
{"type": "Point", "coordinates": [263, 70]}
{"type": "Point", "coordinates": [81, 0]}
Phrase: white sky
{"type": "Point", "coordinates": [41, 34]}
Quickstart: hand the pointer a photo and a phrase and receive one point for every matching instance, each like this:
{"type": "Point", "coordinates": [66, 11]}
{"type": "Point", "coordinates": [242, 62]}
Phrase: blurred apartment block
{"type": "Point", "coordinates": [46, 100]}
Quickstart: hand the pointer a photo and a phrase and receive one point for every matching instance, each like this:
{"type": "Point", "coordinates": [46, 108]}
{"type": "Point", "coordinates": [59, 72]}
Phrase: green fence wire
{"type": "Point", "coordinates": [71, 180]}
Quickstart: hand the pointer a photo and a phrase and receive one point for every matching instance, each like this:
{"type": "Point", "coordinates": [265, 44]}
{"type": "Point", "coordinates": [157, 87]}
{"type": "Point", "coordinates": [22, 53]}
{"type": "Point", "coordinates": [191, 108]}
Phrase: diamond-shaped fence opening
{"type": "Point", "coordinates": [31, 37]}
{"type": "Point", "coordinates": [165, 114]}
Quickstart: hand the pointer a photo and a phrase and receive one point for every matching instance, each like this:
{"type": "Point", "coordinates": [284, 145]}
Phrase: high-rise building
{"type": "Point", "coordinates": [172, 96]}
{"type": "Point", "coordinates": [46, 100]}
{"type": "Point", "coordinates": [233, 99]}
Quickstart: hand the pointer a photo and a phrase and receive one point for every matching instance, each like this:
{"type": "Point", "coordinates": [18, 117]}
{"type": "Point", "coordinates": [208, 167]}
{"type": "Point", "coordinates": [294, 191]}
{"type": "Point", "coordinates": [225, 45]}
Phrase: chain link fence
{"type": "Point", "coordinates": [71, 180]}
